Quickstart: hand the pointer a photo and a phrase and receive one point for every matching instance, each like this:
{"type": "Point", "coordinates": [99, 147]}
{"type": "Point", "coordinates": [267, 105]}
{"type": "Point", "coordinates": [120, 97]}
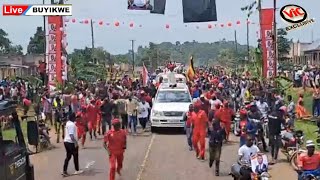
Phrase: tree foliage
{"type": "Point", "coordinates": [157, 54]}
{"type": "Point", "coordinates": [89, 64]}
{"type": "Point", "coordinates": [37, 42]}
{"type": "Point", "coordinates": [6, 46]}
{"type": "Point", "coordinates": [283, 44]}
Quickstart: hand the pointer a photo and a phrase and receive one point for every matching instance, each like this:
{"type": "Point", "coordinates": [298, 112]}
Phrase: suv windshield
{"type": "Point", "coordinates": [173, 96]}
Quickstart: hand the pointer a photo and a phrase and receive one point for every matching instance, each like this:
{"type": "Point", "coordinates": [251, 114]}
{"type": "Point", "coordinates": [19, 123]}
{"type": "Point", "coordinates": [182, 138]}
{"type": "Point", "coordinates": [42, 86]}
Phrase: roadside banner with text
{"type": "Point", "coordinates": [54, 49]}
{"type": "Point", "coordinates": [267, 44]}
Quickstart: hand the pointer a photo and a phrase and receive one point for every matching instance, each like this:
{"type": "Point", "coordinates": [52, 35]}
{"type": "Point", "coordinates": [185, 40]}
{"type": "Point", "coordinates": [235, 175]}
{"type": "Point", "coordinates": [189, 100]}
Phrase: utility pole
{"type": "Point", "coordinates": [248, 46]}
{"type": "Point", "coordinates": [92, 42]}
{"type": "Point", "coordinates": [44, 35]}
{"type": "Point", "coordinates": [92, 34]}
{"type": "Point", "coordinates": [275, 37]}
{"type": "Point", "coordinates": [132, 52]}
{"type": "Point", "coordinates": [236, 41]}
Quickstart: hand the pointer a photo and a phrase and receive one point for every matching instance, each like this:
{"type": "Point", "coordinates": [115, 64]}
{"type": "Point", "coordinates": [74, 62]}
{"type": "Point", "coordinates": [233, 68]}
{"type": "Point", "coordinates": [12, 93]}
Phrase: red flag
{"type": "Point", "coordinates": [145, 77]}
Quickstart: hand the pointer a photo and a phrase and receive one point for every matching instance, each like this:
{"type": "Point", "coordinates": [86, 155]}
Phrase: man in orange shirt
{"type": "Point", "coordinates": [309, 163]}
{"type": "Point", "coordinates": [115, 142]}
{"type": "Point", "coordinates": [199, 125]}
{"type": "Point", "coordinates": [225, 115]}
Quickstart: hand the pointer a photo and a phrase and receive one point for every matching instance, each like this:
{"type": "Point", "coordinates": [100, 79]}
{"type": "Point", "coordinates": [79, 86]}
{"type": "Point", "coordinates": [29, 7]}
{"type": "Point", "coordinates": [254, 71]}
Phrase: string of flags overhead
{"type": "Point", "coordinates": [209, 25]}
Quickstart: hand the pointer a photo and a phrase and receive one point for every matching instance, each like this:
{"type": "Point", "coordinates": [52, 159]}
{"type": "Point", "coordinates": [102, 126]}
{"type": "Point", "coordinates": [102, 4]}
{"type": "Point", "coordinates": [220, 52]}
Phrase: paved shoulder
{"type": "Point", "coordinates": [170, 159]}
{"type": "Point", "coordinates": [48, 165]}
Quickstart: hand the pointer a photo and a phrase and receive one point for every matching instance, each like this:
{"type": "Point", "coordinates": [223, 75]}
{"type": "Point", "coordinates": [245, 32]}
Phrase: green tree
{"type": "Point", "coordinates": [6, 46]}
{"type": "Point", "coordinates": [37, 42]}
{"type": "Point", "coordinates": [5, 42]}
{"type": "Point", "coordinates": [83, 66]}
{"type": "Point", "coordinates": [283, 44]}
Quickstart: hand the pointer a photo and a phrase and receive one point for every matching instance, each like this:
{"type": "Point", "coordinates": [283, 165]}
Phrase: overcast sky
{"type": "Point", "coordinates": [117, 39]}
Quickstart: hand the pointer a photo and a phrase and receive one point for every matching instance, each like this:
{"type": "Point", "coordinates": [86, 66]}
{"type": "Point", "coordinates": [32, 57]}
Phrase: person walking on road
{"type": "Point", "coordinates": [143, 113]}
{"type": "Point", "coordinates": [107, 108]}
{"type": "Point", "coordinates": [71, 145]}
{"type": "Point", "coordinates": [217, 135]}
{"type": "Point", "coordinates": [115, 142]}
{"type": "Point", "coordinates": [199, 126]}
{"type": "Point", "coordinates": [132, 107]}
{"type": "Point", "coordinates": [275, 119]}
{"type": "Point", "coordinates": [188, 117]}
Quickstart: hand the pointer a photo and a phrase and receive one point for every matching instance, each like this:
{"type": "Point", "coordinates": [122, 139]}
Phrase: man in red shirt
{"type": "Point", "coordinates": [42, 70]}
{"type": "Point", "coordinates": [92, 112]}
{"type": "Point", "coordinates": [199, 125]}
{"type": "Point", "coordinates": [225, 115]}
{"type": "Point", "coordinates": [115, 142]}
{"type": "Point", "coordinates": [309, 162]}
{"type": "Point", "coordinates": [81, 126]}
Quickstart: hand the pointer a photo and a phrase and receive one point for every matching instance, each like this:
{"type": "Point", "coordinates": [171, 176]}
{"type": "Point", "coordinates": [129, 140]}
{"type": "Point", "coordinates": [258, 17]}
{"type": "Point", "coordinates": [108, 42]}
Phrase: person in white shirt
{"type": "Point", "coordinates": [143, 110]}
{"type": "Point", "coordinates": [214, 101]}
{"type": "Point", "coordinates": [263, 107]}
{"type": "Point", "coordinates": [71, 145]}
{"type": "Point", "coordinates": [245, 153]}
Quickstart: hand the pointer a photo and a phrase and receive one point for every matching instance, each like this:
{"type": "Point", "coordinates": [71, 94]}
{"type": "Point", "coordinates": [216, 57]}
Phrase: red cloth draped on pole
{"type": "Point", "coordinates": [267, 39]}
{"type": "Point", "coordinates": [145, 77]}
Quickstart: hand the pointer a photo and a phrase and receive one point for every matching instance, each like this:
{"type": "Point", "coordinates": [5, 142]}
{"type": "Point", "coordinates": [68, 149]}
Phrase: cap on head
{"type": "Point", "coordinates": [115, 121]}
{"type": "Point", "coordinates": [310, 143]}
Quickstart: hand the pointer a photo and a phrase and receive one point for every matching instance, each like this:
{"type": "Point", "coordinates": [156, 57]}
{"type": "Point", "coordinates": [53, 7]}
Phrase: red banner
{"type": "Point", "coordinates": [54, 49]}
{"type": "Point", "coordinates": [267, 44]}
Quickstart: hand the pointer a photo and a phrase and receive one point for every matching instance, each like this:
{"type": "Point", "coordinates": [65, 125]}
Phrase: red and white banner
{"type": "Point", "coordinates": [54, 49]}
{"type": "Point", "coordinates": [267, 43]}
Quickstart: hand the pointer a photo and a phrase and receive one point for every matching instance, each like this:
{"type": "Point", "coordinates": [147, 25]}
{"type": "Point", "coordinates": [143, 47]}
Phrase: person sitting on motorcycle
{"type": "Point", "coordinates": [245, 153]}
{"type": "Point", "coordinates": [44, 130]}
{"type": "Point", "coordinates": [254, 113]}
{"type": "Point", "coordinates": [244, 125]}
{"type": "Point", "coordinates": [288, 137]}
{"type": "Point", "coordinates": [263, 107]}
{"type": "Point", "coordinates": [309, 162]}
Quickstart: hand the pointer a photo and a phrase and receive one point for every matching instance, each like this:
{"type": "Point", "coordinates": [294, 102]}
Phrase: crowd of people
{"type": "Point", "coordinates": [114, 109]}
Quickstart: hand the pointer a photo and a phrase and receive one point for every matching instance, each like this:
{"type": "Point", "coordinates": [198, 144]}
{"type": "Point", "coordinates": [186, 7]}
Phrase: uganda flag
{"type": "Point", "coordinates": [190, 72]}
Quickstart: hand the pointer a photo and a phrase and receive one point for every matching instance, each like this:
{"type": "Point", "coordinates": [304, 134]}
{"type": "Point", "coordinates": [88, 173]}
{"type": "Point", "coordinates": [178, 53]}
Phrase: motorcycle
{"type": "Point", "coordinates": [292, 146]}
{"type": "Point", "coordinates": [237, 168]}
{"type": "Point", "coordinates": [236, 125]}
{"type": "Point", "coordinates": [262, 176]}
{"type": "Point", "coordinates": [308, 176]}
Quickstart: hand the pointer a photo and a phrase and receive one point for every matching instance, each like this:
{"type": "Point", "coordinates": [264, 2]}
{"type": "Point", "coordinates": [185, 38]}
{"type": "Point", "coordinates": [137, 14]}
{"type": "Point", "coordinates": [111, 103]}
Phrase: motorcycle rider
{"type": "Point", "coordinates": [246, 127]}
{"type": "Point", "coordinates": [309, 162]}
{"type": "Point", "coordinates": [263, 107]}
{"type": "Point", "coordinates": [254, 113]}
{"type": "Point", "coordinates": [275, 120]}
{"type": "Point", "coordinates": [245, 153]}
{"type": "Point", "coordinates": [291, 111]}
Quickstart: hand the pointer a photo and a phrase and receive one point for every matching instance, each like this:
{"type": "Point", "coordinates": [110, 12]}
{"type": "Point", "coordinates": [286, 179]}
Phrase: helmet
{"type": "Point", "coordinates": [310, 143]}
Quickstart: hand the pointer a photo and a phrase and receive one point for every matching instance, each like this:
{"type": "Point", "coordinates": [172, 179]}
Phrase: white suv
{"type": "Point", "coordinates": [169, 106]}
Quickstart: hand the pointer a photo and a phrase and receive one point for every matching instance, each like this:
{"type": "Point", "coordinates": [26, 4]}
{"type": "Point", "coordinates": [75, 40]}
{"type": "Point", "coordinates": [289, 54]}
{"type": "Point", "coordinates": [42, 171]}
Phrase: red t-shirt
{"type": "Point", "coordinates": [116, 141]}
{"type": "Point", "coordinates": [200, 121]}
{"type": "Point", "coordinates": [92, 112]}
{"type": "Point", "coordinates": [225, 115]}
{"type": "Point", "coordinates": [42, 67]}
